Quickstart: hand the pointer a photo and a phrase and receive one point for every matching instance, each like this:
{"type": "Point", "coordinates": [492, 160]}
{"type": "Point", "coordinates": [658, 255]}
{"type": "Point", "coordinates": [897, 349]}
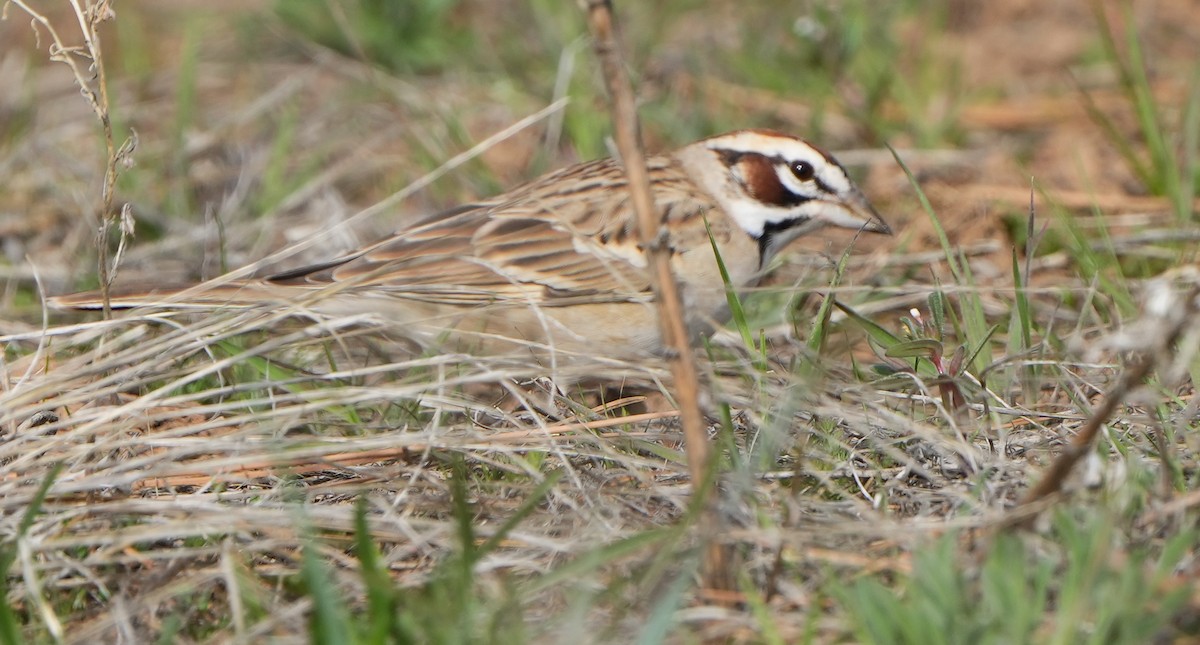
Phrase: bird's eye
{"type": "Point", "coordinates": [803, 170]}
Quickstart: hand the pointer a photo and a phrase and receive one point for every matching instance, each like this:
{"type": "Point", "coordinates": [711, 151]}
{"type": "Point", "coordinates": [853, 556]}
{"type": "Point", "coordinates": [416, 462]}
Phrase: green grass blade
{"type": "Point", "coordinates": [10, 625]}
{"type": "Point", "coordinates": [877, 333]}
{"type": "Point", "coordinates": [381, 595]}
{"type": "Point", "coordinates": [329, 622]}
{"type": "Point", "coordinates": [983, 343]}
{"type": "Point", "coordinates": [943, 239]}
{"type": "Point", "coordinates": [820, 327]}
{"type": "Point", "coordinates": [1114, 135]}
{"type": "Point", "coordinates": [463, 517]}
{"type": "Point", "coordinates": [1166, 179]}
{"type": "Point", "coordinates": [737, 312]}
{"type": "Point", "coordinates": [1024, 316]}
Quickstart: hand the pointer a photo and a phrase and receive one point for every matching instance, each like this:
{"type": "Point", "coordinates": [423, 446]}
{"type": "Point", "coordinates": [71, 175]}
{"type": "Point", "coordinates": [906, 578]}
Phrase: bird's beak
{"type": "Point", "coordinates": [854, 212]}
{"type": "Point", "coordinates": [864, 217]}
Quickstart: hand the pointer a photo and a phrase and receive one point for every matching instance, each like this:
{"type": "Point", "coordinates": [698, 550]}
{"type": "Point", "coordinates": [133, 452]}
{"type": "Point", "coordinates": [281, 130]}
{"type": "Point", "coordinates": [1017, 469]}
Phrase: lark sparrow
{"type": "Point", "coordinates": [555, 264]}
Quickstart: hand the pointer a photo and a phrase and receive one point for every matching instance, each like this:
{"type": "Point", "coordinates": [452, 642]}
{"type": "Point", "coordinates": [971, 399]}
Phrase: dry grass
{"type": "Point", "coordinates": [193, 462]}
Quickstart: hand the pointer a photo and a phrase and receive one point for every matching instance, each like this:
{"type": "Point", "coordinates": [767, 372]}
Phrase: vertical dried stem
{"type": "Point", "coordinates": [90, 15]}
{"type": "Point", "coordinates": [653, 239]}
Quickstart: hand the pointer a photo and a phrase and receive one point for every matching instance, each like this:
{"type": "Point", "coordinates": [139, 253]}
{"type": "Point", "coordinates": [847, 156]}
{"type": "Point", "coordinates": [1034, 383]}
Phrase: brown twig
{"type": "Point", "coordinates": [653, 239]}
{"type": "Point", "coordinates": [1161, 329]}
{"type": "Point", "coordinates": [1054, 478]}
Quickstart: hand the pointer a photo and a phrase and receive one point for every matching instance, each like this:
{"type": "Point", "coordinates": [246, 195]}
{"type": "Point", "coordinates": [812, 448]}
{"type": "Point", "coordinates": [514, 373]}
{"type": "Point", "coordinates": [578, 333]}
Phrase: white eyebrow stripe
{"type": "Point", "coordinates": [770, 146]}
{"type": "Point", "coordinates": [834, 178]}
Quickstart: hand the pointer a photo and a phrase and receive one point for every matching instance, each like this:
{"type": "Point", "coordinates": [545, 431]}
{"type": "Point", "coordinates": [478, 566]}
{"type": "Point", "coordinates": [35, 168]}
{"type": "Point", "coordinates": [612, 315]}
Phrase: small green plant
{"type": "Point", "coordinates": [923, 341]}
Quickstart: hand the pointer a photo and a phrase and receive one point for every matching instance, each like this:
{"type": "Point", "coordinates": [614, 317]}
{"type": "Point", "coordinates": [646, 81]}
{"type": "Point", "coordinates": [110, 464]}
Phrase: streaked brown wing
{"type": "Point", "coordinates": [561, 240]}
